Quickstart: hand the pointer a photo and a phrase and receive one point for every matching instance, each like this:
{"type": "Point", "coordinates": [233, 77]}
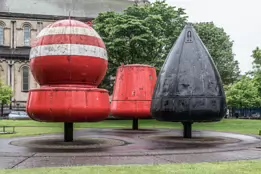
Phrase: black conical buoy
{"type": "Point", "coordinates": [189, 88]}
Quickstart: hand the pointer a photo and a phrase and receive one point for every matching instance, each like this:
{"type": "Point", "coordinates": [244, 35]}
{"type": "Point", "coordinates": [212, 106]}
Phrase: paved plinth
{"type": "Point", "coordinates": [118, 147]}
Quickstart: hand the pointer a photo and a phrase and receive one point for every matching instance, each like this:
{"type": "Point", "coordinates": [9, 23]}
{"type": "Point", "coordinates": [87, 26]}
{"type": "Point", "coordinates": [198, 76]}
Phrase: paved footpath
{"type": "Point", "coordinates": [127, 147]}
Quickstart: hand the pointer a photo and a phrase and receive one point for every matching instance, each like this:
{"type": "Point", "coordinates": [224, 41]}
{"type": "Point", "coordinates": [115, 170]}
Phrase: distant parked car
{"type": "Point", "coordinates": [5, 113]}
{"type": "Point", "coordinates": [18, 115]}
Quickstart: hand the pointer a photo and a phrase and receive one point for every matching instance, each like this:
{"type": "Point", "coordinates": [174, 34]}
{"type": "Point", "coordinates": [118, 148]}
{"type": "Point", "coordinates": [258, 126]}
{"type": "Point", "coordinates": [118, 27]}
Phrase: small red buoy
{"type": "Point", "coordinates": [69, 60]}
{"type": "Point", "coordinates": [133, 91]}
{"type": "Point", "coordinates": [90, 23]}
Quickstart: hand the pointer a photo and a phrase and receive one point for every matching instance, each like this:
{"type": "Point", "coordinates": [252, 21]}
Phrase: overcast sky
{"type": "Point", "coordinates": [241, 19]}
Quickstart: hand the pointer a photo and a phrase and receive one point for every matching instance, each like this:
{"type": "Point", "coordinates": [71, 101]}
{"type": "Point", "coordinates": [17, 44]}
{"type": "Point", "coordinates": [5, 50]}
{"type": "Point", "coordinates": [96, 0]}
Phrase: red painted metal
{"type": "Point", "coordinates": [73, 46]}
{"type": "Point", "coordinates": [133, 91]}
{"type": "Point", "coordinates": [69, 60]}
{"type": "Point", "coordinates": [68, 104]}
{"type": "Point", "coordinates": [77, 70]}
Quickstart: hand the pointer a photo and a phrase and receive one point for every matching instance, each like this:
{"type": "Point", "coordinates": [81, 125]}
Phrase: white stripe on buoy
{"type": "Point", "coordinates": [68, 30]}
{"type": "Point", "coordinates": [68, 49]}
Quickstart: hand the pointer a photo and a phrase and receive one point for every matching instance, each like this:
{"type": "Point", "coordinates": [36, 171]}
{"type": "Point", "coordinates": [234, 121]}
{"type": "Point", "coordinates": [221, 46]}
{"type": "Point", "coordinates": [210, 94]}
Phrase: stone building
{"type": "Point", "coordinates": [21, 21]}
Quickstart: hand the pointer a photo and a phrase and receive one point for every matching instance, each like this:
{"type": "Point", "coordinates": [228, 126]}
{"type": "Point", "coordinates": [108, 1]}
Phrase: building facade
{"type": "Point", "coordinates": [20, 24]}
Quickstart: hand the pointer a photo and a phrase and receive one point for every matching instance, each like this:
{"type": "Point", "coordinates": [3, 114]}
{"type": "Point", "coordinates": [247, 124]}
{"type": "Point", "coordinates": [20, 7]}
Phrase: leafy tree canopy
{"type": "Point", "coordinates": [145, 35]}
{"type": "Point", "coordinates": [220, 48]}
{"type": "Point", "coordinates": [243, 94]}
{"type": "Point", "coordinates": [256, 55]}
{"type": "Point", "coordinates": [5, 94]}
{"type": "Point", "coordinates": [256, 72]}
{"type": "Point", "coordinates": [141, 35]}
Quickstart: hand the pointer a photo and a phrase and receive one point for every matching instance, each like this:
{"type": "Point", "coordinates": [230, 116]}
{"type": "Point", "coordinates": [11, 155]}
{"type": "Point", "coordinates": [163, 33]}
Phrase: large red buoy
{"type": "Point", "coordinates": [68, 52]}
{"type": "Point", "coordinates": [133, 91]}
{"type": "Point", "coordinates": [69, 60]}
{"type": "Point", "coordinates": [68, 104]}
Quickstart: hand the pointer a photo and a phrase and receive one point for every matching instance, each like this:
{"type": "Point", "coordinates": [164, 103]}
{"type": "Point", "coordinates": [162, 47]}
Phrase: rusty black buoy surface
{"type": "Point", "coordinates": [189, 88]}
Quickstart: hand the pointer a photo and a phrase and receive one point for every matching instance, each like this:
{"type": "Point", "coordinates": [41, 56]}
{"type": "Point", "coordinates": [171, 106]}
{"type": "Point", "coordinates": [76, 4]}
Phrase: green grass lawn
{"type": "Point", "coordinates": [31, 131]}
{"type": "Point", "coordinates": [226, 125]}
{"type": "Point", "coordinates": [251, 167]}
{"type": "Point", "coordinates": [251, 127]}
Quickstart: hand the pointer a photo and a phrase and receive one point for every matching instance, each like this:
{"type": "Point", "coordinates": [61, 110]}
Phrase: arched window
{"type": "Point", "coordinates": [1, 34]}
{"type": "Point", "coordinates": [27, 35]}
{"type": "Point", "coordinates": [25, 78]}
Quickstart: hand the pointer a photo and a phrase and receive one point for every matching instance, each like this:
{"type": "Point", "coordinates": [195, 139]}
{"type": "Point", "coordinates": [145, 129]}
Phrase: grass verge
{"type": "Point", "coordinates": [251, 127]}
{"type": "Point", "coordinates": [251, 167]}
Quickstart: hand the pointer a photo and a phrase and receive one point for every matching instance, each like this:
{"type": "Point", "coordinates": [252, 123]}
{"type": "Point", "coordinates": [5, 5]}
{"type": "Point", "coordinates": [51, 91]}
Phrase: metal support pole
{"type": "Point", "coordinates": [68, 132]}
{"type": "Point", "coordinates": [2, 110]}
{"type": "Point", "coordinates": [187, 129]}
{"type": "Point", "coordinates": [135, 124]}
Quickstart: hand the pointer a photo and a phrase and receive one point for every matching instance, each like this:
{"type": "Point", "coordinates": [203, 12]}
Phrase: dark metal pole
{"type": "Point", "coordinates": [11, 84]}
{"type": "Point", "coordinates": [135, 124]}
{"type": "Point", "coordinates": [68, 132]}
{"type": "Point", "coordinates": [2, 110]}
{"type": "Point", "coordinates": [187, 129]}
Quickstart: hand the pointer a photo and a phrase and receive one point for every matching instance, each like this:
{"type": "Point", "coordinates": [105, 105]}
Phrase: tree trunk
{"type": "Point", "coordinates": [2, 110]}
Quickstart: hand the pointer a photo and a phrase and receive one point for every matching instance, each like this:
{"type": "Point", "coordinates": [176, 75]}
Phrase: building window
{"type": "Point", "coordinates": [1, 35]}
{"type": "Point", "coordinates": [25, 80]}
{"type": "Point", "coordinates": [27, 35]}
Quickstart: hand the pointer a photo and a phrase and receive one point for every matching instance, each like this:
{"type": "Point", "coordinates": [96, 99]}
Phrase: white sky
{"type": "Point", "coordinates": [240, 19]}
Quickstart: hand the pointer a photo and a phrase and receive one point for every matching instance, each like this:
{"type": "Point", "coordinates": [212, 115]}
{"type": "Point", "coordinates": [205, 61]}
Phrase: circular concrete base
{"type": "Point", "coordinates": [126, 146]}
{"type": "Point", "coordinates": [139, 131]}
{"type": "Point", "coordinates": [54, 143]}
{"type": "Point", "coordinates": [193, 140]}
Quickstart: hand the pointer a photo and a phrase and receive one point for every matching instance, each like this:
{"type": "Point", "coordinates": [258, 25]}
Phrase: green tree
{"type": "Point", "coordinates": [5, 95]}
{"type": "Point", "coordinates": [256, 55]}
{"type": "Point", "coordinates": [243, 94]}
{"type": "Point", "coordinates": [145, 35]}
{"type": "Point", "coordinates": [256, 72]}
{"type": "Point", "coordinates": [220, 48]}
{"type": "Point", "coordinates": [141, 35]}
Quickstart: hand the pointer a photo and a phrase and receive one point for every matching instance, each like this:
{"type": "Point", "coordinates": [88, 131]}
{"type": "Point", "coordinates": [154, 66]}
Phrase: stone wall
{"type": "Point", "coordinates": [13, 64]}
